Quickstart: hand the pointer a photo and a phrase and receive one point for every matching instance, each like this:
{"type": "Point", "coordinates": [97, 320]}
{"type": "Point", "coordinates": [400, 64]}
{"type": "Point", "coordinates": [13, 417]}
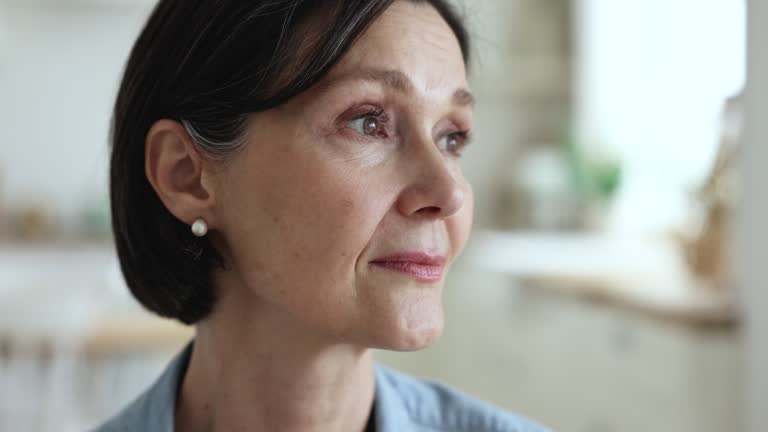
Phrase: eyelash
{"type": "Point", "coordinates": [377, 113]}
{"type": "Point", "coordinates": [463, 137]}
{"type": "Point", "coordinates": [374, 112]}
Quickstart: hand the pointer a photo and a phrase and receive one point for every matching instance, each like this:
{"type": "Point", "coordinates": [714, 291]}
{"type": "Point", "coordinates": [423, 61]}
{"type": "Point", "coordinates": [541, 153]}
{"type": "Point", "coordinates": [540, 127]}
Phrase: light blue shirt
{"type": "Point", "coordinates": [402, 404]}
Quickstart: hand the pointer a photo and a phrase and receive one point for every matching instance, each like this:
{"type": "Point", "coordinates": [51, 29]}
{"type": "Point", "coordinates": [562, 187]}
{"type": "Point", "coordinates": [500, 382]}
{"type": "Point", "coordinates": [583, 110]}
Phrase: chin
{"type": "Point", "coordinates": [418, 340]}
{"type": "Point", "coordinates": [412, 331]}
{"type": "Point", "coordinates": [400, 317]}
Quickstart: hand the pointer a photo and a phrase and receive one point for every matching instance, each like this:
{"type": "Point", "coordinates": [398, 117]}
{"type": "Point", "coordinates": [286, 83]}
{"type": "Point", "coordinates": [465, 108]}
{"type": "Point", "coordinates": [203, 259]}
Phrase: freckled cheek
{"type": "Point", "coordinates": [346, 219]}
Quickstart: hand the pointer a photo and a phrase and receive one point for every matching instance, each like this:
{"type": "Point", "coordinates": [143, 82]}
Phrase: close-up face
{"type": "Point", "coordinates": [347, 205]}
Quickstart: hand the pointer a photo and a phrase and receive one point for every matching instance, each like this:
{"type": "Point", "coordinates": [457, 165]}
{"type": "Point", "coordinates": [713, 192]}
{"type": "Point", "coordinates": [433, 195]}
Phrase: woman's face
{"type": "Point", "coordinates": [348, 204]}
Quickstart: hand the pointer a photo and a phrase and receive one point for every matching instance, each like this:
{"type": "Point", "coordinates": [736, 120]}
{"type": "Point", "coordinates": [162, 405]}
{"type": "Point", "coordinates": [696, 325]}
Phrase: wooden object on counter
{"type": "Point", "coordinates": [707, 250]}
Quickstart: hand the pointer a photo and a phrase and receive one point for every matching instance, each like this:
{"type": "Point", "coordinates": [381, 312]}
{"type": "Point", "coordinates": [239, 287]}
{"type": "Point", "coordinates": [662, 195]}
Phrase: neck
{"type": "Point", "coordinates": [252, 370]}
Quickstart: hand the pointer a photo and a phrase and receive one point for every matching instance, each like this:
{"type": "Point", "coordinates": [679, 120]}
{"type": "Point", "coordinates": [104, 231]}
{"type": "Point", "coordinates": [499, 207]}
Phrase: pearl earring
{"type": "Point", "coordinates": [199, 227]}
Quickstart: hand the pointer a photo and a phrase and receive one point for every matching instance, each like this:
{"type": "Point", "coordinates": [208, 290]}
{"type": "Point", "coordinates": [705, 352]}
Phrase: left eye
{"type": "Point", "coordinates": [452, 143]}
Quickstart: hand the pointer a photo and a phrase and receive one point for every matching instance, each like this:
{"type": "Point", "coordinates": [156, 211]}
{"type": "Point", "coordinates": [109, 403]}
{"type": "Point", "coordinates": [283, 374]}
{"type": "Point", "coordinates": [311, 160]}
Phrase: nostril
{"type": "Point", "coordinates": [429, 211]}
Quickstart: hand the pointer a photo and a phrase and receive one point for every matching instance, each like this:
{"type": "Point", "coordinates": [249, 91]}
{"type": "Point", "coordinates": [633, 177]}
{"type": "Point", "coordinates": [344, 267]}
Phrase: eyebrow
{"type": "Point", "coordinates": [400, 82]}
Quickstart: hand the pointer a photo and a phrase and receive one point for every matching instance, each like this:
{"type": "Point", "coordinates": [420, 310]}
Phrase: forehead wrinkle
{"type": "Point", "coordinates": [405, 29]}
{"type": "Point", "coordinates": [391, 78]}
{"type": "Point", "coordinates": [399, 81]}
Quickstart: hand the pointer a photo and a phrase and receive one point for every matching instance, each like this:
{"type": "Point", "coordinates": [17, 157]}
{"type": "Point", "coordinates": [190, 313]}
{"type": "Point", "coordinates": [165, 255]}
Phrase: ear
{"type": "Point", "coordinates": [179, 173]}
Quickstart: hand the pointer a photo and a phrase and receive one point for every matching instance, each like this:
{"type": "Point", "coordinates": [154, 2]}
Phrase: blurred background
{"type": "Point", "coordinates": [612, 283]}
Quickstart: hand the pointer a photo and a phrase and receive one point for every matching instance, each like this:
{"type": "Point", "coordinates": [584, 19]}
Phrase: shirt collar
{"type": "Point", "coordinates": [390, 411]}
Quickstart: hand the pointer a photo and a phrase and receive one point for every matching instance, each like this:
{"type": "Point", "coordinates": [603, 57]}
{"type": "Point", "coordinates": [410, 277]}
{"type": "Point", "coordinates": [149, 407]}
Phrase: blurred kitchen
{"type": "Point", "coordinates": [598, 293]}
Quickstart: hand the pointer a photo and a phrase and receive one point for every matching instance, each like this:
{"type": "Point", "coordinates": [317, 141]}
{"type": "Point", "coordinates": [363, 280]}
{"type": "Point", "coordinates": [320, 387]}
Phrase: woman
{"type": "Point", "coordinates": [285, 176]}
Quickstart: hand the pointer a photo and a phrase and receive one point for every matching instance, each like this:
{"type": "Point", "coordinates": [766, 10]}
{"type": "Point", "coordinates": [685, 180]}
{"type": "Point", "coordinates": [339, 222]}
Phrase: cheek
{"type": "Point", "coordinates": [303, 219]}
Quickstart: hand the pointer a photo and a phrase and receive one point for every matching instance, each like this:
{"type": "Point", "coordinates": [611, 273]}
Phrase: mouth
{"type": "Point", "coordinates": [420, 266]}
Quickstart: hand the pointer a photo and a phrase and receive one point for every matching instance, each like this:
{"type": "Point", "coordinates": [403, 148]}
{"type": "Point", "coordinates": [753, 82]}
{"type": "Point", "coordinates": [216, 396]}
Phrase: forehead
{"type": "Point", "coordinates": [413, 39]}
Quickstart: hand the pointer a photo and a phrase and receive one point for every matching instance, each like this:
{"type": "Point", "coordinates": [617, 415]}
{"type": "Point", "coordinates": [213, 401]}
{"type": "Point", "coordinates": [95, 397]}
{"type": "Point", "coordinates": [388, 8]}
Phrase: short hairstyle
{"type": "Point", "coordinates": [208, 64]}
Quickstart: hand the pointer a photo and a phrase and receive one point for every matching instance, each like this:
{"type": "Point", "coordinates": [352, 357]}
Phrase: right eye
{"type": "Point", "coordinates": [371, 124]}
{"type": "Point", "coordinates": [366, 126]}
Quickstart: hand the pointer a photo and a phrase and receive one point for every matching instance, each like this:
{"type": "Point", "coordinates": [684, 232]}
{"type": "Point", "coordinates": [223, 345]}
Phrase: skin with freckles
{"type": "Point", "coordinates": [364, 165]}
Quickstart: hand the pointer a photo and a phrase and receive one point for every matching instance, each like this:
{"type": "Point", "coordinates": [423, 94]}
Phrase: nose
{"type": "Point", "coordinates": [434, 192]}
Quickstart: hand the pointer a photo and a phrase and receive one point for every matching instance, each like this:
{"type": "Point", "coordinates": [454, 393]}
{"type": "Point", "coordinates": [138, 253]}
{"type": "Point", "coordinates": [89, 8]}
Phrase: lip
{"type": "Point", "coordinates": [418, 265]}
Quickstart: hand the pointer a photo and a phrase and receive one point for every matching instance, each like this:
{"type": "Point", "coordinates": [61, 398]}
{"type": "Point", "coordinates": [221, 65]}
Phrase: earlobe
{"type": "Point", "coordinates": [175, 169]}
